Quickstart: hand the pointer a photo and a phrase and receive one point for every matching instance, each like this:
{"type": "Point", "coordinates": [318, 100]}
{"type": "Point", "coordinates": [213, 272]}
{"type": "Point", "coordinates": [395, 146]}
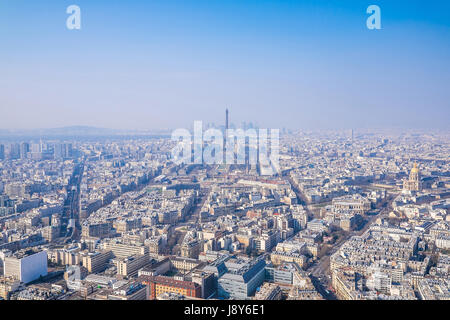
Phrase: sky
{"type": "Point", "coordinates": [280, 64]}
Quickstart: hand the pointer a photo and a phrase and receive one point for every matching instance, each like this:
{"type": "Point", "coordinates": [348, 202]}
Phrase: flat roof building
{"type": "Point", "coordinates": [26, 266]}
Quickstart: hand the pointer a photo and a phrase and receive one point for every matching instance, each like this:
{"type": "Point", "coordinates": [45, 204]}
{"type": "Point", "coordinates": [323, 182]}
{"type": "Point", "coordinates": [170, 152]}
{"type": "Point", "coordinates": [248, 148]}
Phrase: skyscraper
{"type": "Point", "coordinates": [226, 119]}
{"type": "Point", "coordinates": [225, 137]}
{"type": "Point", "coordinates": [24, 150]}
{"type": "Point", "coordinates": [62, 150]}
{"type": "Point", "coordinates": [14, 152]}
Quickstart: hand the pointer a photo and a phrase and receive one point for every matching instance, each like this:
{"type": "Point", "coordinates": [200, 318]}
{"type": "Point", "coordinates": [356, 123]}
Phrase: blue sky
{"type": "Point", "coordinates": [165, 63]}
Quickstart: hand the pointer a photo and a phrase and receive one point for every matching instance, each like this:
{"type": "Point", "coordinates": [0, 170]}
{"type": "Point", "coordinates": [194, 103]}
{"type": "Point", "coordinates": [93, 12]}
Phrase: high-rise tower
{"type": "Point", "coordinates": [226, 119]}
{"type": "Point", "coordinates": [225, 137]}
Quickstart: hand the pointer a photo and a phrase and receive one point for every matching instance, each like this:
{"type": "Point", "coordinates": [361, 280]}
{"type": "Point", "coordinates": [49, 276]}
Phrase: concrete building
{"type": "Point", "coordinates": [96, 261]}
{"type": "Point", "coordinates": [241, 279]}
{"type": "Point", "coordinates": [26, 266]}
{"type": "Point", "coordinates": [122, 250]}
{"type": "Point", "coordinates": [130, 266]}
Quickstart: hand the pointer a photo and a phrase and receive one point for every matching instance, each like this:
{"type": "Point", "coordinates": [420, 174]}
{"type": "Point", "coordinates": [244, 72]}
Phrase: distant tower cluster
{"type": "Point", "coordinates": [413, 183]}
{"type": "Point", "coordinates": [225, 136]}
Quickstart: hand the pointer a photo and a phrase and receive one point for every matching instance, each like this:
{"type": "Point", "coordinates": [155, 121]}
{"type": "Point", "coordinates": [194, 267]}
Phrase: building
{"type": "Point", "coordinates": [67, 256]}
{"type": "Point", "coordinates": [26, 266]}
{"type": "Point", "coordinates": [126, 225]}
{"type": "Point", "coordinates": [269, 291]}
{"type": "Point", "coordinates": [355, 204]}
{"type": "Point", "coordinates": [414, 182]}
{"type": "Point", "coordinates": [190, 249]}
{"type": "Point", "coordinates": [443, 242]}
{"type": "Point", "coordinates": [156, 268]}
{"type": "Point", "coordinates": [14, 151]}
{"type": "Point", "coordinates": [285, 274]}
{"type": "Point", "coordinates": [50, 233]}
{"type": "Point", "coordinates": [62, 150]}
{"type": "Point", "coordinates": [380, 282]}
{"type": "Point", "coordinates": [40, 292]}
{"type": "Point", "coordinates": [96, 262]}
{"type": "Point", "coordinates": [267, 240]}
{"type": "Point", "coordinates": [434, 289]}
{"type": "Point", "coordinates": [122, 250]}
{"type": "Point", "coordinates": [279, 258]}
{"type": "Point", "coordinates": [206, 281]}
{"type": "Point", "coordinates": [155, 245]}
{"type": "Point", "coordinates": [158, 285]}
{"type": "Point", "coordinates": [130, 291]}
{"type": "Point", "coordinates": [317, 225]}
{"type": "Point", "coordinates": [184, 264]}
{"type": "Point", "coordinates": [24, 150]}
{"type": "Point", "coordinates": [8, 286]}
{"type": "Point", "coordinates": [130, 266]}
{"type": "Point", "coordinates": [344, 283]}
{"type": "Point", "coordinates": [241, 279]}
{"type": "Point", "coordinates": [99, 230]}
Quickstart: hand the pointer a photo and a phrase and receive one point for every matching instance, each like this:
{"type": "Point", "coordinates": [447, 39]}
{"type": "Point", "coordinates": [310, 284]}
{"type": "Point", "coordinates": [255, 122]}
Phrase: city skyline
{"type": "Point", "coordinates": [361, 217]}
{"type": "Point", "coordinates": [222, 154]}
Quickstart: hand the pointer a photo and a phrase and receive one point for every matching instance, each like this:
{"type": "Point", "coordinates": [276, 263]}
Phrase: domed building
{"type": "Point", "coordinates": [413, 183]}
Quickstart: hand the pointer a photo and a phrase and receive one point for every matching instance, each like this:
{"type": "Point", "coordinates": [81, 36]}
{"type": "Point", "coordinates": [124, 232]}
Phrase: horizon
{"type": "Point", "coordinates": [220, 125]}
